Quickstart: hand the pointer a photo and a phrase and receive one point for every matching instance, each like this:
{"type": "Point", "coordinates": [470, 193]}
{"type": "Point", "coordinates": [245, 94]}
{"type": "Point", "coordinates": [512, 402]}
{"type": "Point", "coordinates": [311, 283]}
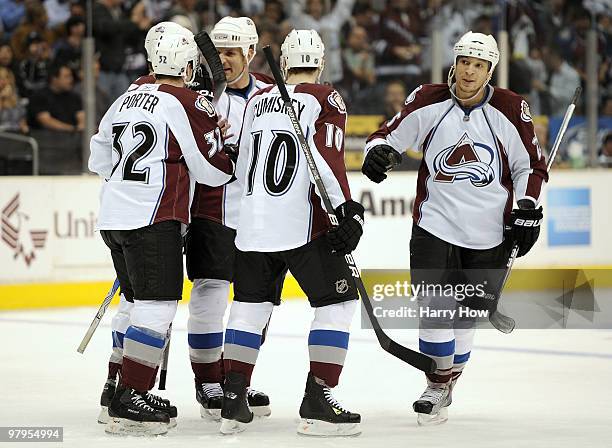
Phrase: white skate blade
{"type": "Point", "coordinates": [433, 419]}
{"type": "Point", "coordinates": [125, 427]}
{"type": "Point", "coordinates": [231, 426]}
{"type": "Point", "coordinates": [172, 423]}
{"type": "Point", "coordinates": [103, 415]}
{"type": "Point", "coordinates": [319, 428]}
{"type": "Point", "coordinates": [211, 415]}
{"type": "Point", "coordinates": [261, 411]}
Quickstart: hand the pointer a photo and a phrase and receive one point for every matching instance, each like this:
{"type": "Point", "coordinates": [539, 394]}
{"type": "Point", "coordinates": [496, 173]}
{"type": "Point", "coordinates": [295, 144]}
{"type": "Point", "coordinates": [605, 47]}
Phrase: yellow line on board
{"type": "Point", "coordinates": [54, 295]}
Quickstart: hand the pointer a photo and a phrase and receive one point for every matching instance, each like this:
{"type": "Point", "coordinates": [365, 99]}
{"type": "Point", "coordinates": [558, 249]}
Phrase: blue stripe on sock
{"type": "Point", "coordinates": [205, 340]}
{"type": "Point", "coordinates": [118, 339]}
{"type": "Point", "coordinates": [459, 359]}
{"type": "Point", "coordinates": [243, 338]}
{"type": "Point", "coordinates": [437, 348]}
{"type": "Point", "coordinates": [330, 338]}
{"type": "Point", "coordinates": [138, 335]}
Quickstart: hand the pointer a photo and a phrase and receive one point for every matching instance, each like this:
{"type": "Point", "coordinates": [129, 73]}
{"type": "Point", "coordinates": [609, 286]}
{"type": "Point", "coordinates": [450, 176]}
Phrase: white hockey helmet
{"type": "Point", "coordinates": [302, 48]}
{"type": "Point", "coordinates": [156, 32]}
{"type": "Point", "coordinates": [235, 32]}
{"type": "Point", "coordinates": [173, 54]}
{"type": "Point", "coordinates": [477, 45]}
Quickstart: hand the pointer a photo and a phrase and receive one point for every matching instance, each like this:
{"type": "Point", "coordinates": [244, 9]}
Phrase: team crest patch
{"type": "Point", "coordinates": [342, 286]}
{"type": "Point", "coordinates": [525, 112]}
{"type": "Point", "coordinates": [412, 96]}
{"type": "Point", "coordinates": [204, 105]}
{"type": "Point", "coordinates": [336, 100]}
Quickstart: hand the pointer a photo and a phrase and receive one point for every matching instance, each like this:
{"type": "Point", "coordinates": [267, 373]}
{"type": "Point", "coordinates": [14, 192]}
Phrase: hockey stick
{"type": "Point", "coordinates": [164, 366]}
{"type": "Point", "coordinates": [415, 359]}
{"type": "Point", "coordinates": [503, 323]}
{"type": "Point", "coordinates": [210, 53]}
{"type": "Point", "coordinates": [98, 317]}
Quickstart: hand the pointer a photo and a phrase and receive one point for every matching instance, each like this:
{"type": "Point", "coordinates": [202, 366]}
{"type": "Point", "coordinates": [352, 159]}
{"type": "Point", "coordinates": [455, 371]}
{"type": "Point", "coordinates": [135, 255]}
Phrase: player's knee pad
{"type": "Point", "coordinates": [337, 317]}
{"type": "Point", "coordinates": [249, 317]}
{"type": "Point", "coordinates": [121, 320]}
{"type": "Point", "coordinates": [207, 305]}
{"type": "Point", "coordinates": [155, 315]}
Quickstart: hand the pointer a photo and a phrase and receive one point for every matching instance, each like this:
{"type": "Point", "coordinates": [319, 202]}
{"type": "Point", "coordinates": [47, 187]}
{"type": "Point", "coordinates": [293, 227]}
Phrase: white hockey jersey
{"type": "Point", "coordinates": [222, 204]}
{"type": "Point", "coordinates": [280, 208]}
{"type": "Point", "coordinates": [149, 143]}
{"type": "Point", "coordinates": [473, 161]}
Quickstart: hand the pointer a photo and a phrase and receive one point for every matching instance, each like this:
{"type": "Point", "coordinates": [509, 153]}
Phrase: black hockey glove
{"type": "Point", "coordinates": [525, 228]}
{"type": "Point", "coordinates": [231, 150]}
{"type": "Point", "coordinates": [344, 238]}
{"type": "Point", "coordinates": [379, 160]}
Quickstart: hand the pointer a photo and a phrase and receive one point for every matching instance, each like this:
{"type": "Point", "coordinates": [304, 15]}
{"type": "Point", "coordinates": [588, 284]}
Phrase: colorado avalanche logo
{"type": "Point", "coordinates": [204, 105]}
{"type": "Point", "coordinates": [336, 100]}
{"type": "Point", "coordinates": [464, 161]}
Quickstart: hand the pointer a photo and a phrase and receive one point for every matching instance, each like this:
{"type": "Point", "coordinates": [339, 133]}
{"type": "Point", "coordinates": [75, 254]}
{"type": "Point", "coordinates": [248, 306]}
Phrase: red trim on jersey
{"type": "Point", "coordinates": [263, 78]}
{"type": "Point", "coordinates": [506, 180]}
{"type": "Point", "coordinates": [422, 177]}
{"type": "Point", "coordinates": [424, 95]}
{"type": "Point", "coordinates": [174, 203]}
{"type": "Point", "coordinates": [319, 222]}
{"type": "Point", "coordinates": [510, 104]}
{"type": "Point", "coordinates": [201, 123]}
{"type": "Point", "coordinates": [208, 203]}
{"type": "Point", "coordinates": [146, 79]}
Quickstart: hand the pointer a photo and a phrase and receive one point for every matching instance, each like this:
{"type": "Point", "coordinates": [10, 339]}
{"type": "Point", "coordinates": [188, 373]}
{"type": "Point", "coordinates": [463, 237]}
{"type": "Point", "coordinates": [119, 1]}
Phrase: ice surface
{"type": "Point", "coordinates": [536, 388]}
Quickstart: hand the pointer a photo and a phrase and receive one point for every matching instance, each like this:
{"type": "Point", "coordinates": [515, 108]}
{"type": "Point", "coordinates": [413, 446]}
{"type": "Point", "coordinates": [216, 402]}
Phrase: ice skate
{"type": "Point", "coordinates": [235, 412]}
{"type": "Point", "coordinates": [210, 397]}
{"type": "Point", "coordinates": [163, 405]}
{"type": "Point", "coordinates": [130, 414]}
{"type": "Point", "coordinates": [107, 395]}
{"type": "Point", "coordinates": [259, 403]}
{"type": "Point", "coordinates": [322, 415]}
{"type": "Point", "coordinates": [432, 406]}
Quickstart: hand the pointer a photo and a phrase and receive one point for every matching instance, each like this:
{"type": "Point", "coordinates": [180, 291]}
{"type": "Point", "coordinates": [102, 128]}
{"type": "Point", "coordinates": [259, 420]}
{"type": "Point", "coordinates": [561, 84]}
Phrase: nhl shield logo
{"type": "Point", "coordinates": [342, 286]}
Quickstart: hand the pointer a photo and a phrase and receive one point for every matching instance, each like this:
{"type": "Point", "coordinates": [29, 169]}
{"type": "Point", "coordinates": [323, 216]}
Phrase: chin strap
{"type": "Point", "coordinates": [449, 80]}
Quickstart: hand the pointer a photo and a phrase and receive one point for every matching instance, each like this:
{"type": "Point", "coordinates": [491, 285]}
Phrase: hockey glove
{"type": "Point", "coordinates": [231, 150]}
{"type": "Point", "coordinates": [379, 160]}
{"type": "Point", "coordinates": [344, 238]}
{"type": "Point", "coordinates": [525, 228]}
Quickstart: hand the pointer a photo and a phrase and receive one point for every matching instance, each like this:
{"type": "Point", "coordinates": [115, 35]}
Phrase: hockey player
{"type": "Point", "coordinates": [282, 226]}
{"type": "Point", "coordinates": [210, 242]}
{"type": "Point", "coordinates": [479, 150]}
{"type": "Point", "coordinates": [151, 142]}
{"type": "Point", "coordinates": [121, 320]}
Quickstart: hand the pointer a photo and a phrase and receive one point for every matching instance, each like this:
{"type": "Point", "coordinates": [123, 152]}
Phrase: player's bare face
{"type": "Point", "coordinates": [234, 64]}
{"type": "Point", "coordinates": [470, 74]}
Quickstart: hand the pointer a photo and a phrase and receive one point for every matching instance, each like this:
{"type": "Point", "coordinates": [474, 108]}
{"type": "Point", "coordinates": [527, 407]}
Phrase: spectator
{"type": "Point", "coordinates": [400, 30]}
{"type": "Point", "coordinates": [558, 91]}
{"type": "Point", "coordinates": [358, 61]}
{"type": "Point", "coordinates": [68, 49]}
{"type": "Point", "coordinates": [187, 8]}
{"type": "Point", "coordinates": [605, 153]}
{"type": "Point", "coordinates": [6, 57]}
{"type": "Point", "coordinates": [311, 16]}
{"type": "Point", "coordinates": [395, 96]}
{"type": "Point", "coordinates": [12, 111]}
{"type": "Point", "coordinates": [58, 12]}
{"type": "Point", "coordinates": [35, 21]}
{"type": "Point", "coordinates": [11, 13]}
{"type": "Point", "coordinates": [112, 32]}
{"type": "Point", "coordinates": [57, 108]}
{"type": "Point", "coordinates": [33, 71]}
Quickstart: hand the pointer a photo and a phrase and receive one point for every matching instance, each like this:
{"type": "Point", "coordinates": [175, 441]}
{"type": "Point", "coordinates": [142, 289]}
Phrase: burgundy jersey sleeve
{"type": "Point", "coordinates": [263, 78]}
{"type": "Point", "coordinates": [525, 158]}
{"type": "Point", "coordinates": [194, 126]}
{"type": "Point", "coordinates": [146, 79]}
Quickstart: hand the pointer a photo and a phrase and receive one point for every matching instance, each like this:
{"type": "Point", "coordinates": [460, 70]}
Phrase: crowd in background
{"type": "Point", "coordinates": [376, 52]}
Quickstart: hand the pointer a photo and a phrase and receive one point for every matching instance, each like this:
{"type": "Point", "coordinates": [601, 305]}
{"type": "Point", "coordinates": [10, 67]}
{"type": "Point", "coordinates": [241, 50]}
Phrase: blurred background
{"type": "Point", "coordinates": [56, 83]}
{"type": "Point", "coordinates": [63, 62]}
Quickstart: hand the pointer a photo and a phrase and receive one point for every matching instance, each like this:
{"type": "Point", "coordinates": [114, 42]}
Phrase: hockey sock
{"type": "Point", "coordinates": [205, 328]}
{"type": "Point", "coordinates": [119, 325]}
{"type": "Point", "coordinates": [439, 344]}
{"type": "Point", "coordinates": [464, 340]}
{"type": "Point", "coordinates": [144, 342]}
{"type": "Point", "coordinates": [243, 336]}
{"type": "Point", "coordinates": [328, 340]}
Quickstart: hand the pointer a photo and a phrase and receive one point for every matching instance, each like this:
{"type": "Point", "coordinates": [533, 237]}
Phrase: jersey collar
{"type": "Point", "coordinates": [468, 110]}
{"type": "Point", "coordinates": [244, 93]}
